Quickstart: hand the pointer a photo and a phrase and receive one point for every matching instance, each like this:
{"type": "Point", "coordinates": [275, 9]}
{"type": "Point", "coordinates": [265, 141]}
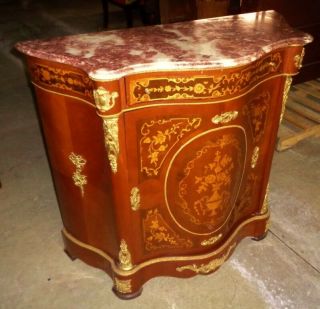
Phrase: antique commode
{"type": "Point", "coordinates": [160, 139]}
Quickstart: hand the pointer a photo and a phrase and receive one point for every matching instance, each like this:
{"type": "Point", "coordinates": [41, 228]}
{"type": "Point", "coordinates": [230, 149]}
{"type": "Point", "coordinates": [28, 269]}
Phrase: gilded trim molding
{"type": "Point", "coordinates": [123, 286]}
{"type": "Point", "coordinates": [298, 59]}
{"type": "Point", "coordinates": [138, 267]}
{"type": "Point", "coordinates": [104, 99]}
{"type": "Point", "coordinates": [209, 267]}
{"type": "Point", "coordinates": [211, 240]}
{"type": "Point", "coordinates": [267, 227]}
{"type": "Point", "coordinates": [111, 139]}
{"type": "Point", "coordinates": [286, 90]}
{"type": "Point", "coordinates": [255, 156]}
{"type": "Point", "coordinates": [265, 205]}
{"type": "Point", "coordinates": [135, 198]}
{"type": "Point", "coordinates": [78, 179]}
{"type": "Point", "coordinates": [124, 256]}
{"type": "Point", "coordinates": [225, 117]}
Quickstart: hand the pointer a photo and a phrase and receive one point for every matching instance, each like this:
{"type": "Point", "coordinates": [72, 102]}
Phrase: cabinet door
{"type": "Point", "coordinates": [200, 167]}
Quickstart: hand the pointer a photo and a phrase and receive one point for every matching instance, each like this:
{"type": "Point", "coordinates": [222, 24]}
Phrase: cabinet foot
{"type": "Point", "coordinates": [258, 238]}
{"type": "Point", "coordinates": [127, 296]}
{"type": "Point", "coordinates": [72, 258]}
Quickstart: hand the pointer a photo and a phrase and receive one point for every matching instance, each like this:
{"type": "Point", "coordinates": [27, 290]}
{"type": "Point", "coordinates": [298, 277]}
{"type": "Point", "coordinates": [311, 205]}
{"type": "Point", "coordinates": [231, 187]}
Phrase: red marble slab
{"type": "Point", "coordinates": [215, 42]}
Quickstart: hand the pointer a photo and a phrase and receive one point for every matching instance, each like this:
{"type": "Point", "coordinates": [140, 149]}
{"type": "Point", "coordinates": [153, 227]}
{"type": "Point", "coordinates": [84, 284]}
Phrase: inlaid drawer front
{"type": "Point", "coordinates": [62, 79]}
{"type": "Point", "coordinates": [209, 85]}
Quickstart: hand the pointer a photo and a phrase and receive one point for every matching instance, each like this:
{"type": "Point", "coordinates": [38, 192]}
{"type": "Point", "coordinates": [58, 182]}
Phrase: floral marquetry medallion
{"type": "Point", "coordinates": [204, 179]}
{"type": "Point", "coordinates": [158, 137]}
{"type": "Point", "coordinates": [159, 235]}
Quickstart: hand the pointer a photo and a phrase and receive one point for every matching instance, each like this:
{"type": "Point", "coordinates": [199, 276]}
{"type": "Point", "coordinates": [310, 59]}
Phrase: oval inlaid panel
{"type": "Point", "coordinates": [204, 177]}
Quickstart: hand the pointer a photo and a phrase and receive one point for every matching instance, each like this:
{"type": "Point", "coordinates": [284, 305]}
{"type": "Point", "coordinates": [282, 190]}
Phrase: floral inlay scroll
{"type": "Point", "coordinates": [144, 90]}
{"type": "Point", "coordinates": [62, 79]}
{"type": "Point", "coordinates": [158, 137]}
{"type": "Point", "coordinates": [245, 199]}
{"type": "Point", "coordinates": [78, 178]}
{"type": "Point", "coordinates": [257, 113]}
{"type": "Point", "coordinates": [159, 235]}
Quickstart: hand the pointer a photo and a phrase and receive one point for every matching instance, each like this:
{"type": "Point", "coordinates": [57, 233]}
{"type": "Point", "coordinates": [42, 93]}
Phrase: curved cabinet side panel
{"type": "Point", "coordinates": [75, 145]}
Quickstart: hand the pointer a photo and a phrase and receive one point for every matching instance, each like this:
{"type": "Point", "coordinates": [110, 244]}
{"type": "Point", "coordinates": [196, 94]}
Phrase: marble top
{"type": "Point", "coordinates": [215, 42]}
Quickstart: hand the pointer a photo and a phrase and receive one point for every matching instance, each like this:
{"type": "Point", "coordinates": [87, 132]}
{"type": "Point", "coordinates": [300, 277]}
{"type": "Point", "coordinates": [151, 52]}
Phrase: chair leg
{"type": "Point", "coordinates": [129, 16]}
{"type": "Point", "coordinates": [105, 8]}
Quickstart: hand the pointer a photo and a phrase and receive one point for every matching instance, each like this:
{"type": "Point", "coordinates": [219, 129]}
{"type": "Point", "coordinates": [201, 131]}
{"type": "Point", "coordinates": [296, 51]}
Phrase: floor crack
{"type": "Point", "coordinates": [295, 252]}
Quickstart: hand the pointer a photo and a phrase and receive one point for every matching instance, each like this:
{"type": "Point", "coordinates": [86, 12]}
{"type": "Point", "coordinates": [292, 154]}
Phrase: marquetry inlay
{"type": "Point", "coordinates": [199, 87]}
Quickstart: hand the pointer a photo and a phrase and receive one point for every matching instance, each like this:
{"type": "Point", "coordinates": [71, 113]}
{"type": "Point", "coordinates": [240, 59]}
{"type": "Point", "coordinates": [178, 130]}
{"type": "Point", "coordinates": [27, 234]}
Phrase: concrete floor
{"type": "Point", "coordinates": [282, 271]}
